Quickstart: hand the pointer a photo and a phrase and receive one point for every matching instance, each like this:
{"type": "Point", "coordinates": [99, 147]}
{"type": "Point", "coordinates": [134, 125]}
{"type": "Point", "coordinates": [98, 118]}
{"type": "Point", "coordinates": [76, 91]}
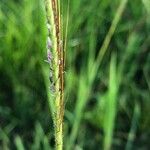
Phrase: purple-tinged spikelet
{"type": "Point", "coordinates": [49, 56]}
{"type": "Point", "coordinates": [49, 43]}
{"type": "Point", "coordinates": [49, 46]}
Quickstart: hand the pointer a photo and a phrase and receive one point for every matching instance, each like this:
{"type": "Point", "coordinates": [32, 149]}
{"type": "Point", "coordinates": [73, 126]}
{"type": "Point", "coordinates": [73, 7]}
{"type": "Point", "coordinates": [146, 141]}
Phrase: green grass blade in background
{"type": "Point", "coordinates": [110, 33]}
{"type": "Point", "coordinates": [82, 99]}
{"type": "Point", "coordinates": [19, 143]}
{"type": "Point", "coordinates": [146, 4]}
{"type": "Point", "coordinates": [111, 105]}
{"type": "Point", "coordinates": [40, 138]}
{"type": "Point", "coordinates": [134, 125]}
{"type": "Point", "coordinates": [5, 139]}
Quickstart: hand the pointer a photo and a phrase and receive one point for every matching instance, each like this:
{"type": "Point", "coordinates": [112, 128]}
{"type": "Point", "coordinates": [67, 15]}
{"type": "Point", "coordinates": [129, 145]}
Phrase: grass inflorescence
{"type": "Point", "coordinates": [55, 59]}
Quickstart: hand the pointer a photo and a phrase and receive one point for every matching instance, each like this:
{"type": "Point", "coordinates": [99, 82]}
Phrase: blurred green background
{"type": "Point", "coordinates": [107, 76]}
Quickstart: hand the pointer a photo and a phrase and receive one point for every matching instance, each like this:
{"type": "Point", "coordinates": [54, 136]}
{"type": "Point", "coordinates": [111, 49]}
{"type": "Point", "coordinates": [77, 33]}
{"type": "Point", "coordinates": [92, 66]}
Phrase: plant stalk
{"type": "Point", "coordinates": [56, 66]}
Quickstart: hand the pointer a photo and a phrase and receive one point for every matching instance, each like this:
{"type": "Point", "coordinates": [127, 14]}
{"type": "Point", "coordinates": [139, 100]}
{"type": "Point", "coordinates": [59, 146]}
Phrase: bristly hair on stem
{"type": "Point", "coordinates": [55, 59]}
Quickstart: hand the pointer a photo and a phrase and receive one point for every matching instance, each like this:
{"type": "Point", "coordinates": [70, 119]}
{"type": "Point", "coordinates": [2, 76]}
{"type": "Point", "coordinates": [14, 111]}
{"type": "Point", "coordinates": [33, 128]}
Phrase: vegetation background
{"type": "Point", "coordinates": [107, 94]}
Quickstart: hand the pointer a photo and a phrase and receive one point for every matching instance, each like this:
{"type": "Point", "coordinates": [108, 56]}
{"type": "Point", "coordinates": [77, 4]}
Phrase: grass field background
{"type": "Point", "coordinates": [107, 76]}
